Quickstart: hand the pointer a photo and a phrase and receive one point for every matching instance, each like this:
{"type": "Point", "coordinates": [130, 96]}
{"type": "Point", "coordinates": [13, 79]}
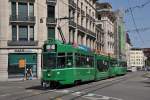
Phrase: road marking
{"type": "Point", "coordinates": [77, 93]}
{"type": "Point", "coordinates": [144, 79]}
{"type": "Point", "coordinates": [63, 91]}
{"type": "Point", "coordinates": [90, 96]}
{"type": "Point", "coordinates": [15, 93]}
{"type": "Point", "coordinates": [4, 95]}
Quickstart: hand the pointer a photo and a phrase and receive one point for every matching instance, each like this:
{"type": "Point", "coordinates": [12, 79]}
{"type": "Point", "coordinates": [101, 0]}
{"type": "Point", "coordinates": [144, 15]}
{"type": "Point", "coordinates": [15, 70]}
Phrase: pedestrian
{"type": "Point", "coordinates": [31, 74]}
{"type": "Point", "coordinates": [27, 74]}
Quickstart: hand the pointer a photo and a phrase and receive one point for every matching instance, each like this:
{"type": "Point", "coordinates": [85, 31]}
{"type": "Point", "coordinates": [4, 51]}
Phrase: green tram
{"type": "Point", "coordinates": [65, 64]}
{"type": "Point", "coordinates": [123, 68]}
{"type": "Point", "coordinates": [117, 67]}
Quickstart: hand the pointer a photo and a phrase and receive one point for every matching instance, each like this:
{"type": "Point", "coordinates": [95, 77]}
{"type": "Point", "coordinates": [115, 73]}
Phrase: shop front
{"type": "Point", "coordinates": [19, 63]}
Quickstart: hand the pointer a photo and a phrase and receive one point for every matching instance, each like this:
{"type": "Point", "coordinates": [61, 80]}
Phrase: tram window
{"type": "Point", "coordinates": [101, 65]}
{"type": "Point", "coordinates": [84, 60]}
{"type": "Point", "coordinates": [49, 61]}
{"type": "Point", "coordinates": [89, 61]}
{"type": "Point", "coordinates": [61, 54]}
{"type": "Point", "coordinates": [61, 60]}
{"type": "Point", "coordinates": [113, 63]}
{"type": "Point", "coordinates": [69, 60]}
{"type": "Point", "coordinates": [69, 54]}
{"type": "Point", "coordinates": [78, 62]}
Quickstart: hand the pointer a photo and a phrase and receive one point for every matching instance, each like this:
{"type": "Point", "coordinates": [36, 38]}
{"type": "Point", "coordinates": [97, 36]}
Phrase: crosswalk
{"type": "Point", "coordinates": [89, 96]}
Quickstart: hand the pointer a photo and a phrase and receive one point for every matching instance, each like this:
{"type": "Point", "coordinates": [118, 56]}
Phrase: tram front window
{"type": "Point", "coordinates": [49, 60]}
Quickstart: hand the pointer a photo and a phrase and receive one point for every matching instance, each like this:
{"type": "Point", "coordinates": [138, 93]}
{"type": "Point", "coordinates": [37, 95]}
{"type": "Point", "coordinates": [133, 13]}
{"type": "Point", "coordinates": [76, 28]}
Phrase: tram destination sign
{"type": "Point", "coordinates": [50, 47]}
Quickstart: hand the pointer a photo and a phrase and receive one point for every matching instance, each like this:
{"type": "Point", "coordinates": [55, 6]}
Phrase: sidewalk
{"type": "Point", "coordinates": [18, 79]}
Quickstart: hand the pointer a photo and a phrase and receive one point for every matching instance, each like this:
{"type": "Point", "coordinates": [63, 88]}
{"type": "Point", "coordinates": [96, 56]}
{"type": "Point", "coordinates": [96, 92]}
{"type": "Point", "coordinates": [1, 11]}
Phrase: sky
{"type": "Point", "coordinates": [141, 17]}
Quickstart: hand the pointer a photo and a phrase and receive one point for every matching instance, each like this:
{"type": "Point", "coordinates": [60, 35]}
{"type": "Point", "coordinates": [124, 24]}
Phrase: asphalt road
{"type": "Point", "coordinates": [132, 86]}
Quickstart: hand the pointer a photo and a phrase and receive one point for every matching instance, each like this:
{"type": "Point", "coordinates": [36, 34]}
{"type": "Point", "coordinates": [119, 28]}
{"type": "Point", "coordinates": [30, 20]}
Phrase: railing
{"type": "Point", "coordinates": [21, 18]}
{"type": "Point", "coordinates": [22, 43]}
{"type": "Point", "coordinates": [81, 28]}
{"type": "Point", "coordinates": [22, 0]}
{"type": "Point", "coordinates": [91, 33]}
{"type": "Point", "coordinates": [78, 9]}
{"type": "Point", "coordinates": [82, 13]}
{"type": "Point", "coordinates": [90, 17]}
{"type": "Point", "coordinates": [51, 20]}
{"type": "Point", "coordinates": [72, 23]}
{"type": "Point", "coordinates": [51, 2]}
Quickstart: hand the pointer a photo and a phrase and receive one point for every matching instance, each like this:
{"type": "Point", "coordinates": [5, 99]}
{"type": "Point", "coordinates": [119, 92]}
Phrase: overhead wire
{"type": "Point", "coordinates": [137, 6]}
{"type": "Point", "coordinates": [136, 26]}
{"type": "Point", "coordinates": [134, 22]}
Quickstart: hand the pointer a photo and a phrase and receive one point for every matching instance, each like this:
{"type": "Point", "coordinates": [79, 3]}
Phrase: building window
{"type": "Point", "coordinates": [51, 11]}
{"type": "Point", "coordinates": [13, 8]}
{"type": "Point", "coordinates": [14, 33]}
{"type": "Point", "coordinates": [82, 21]}
{"type": "Point", "coordinates": [51, 32]}
{"type": "Point", "coordinates": [23, 33]}
{"type": "Point", "coordinates": [71, 35]}
{"type": "Point", "coordinates": [31, 9]}
{"type": "Point", "coordinates": [23, 10]}
{"type": "Point", "coordinates": [99, 17]}
{"type": "Point", "coordinates": [31, 33]}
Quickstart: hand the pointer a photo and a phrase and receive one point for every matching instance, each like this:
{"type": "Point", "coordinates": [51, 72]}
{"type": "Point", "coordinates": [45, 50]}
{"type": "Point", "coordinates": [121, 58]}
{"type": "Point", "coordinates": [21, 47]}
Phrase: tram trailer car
{"type": "Point", "coordinates": [101, 67]}
{"type": "Point", "coordinates": [112, 67]}
{"type": "Point", "coordinates": [64, 64]}
{"type": "Point", "coordinates": [117, 67]}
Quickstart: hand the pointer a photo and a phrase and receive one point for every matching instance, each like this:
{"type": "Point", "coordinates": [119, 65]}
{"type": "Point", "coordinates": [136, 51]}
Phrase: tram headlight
{"type": "Point", "coordinates": [48, 74]}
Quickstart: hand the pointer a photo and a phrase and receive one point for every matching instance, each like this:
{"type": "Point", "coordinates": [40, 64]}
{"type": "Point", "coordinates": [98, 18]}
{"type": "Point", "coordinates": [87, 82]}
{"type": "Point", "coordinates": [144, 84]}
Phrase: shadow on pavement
{"type": "Point", "coordinates": [39, 87]}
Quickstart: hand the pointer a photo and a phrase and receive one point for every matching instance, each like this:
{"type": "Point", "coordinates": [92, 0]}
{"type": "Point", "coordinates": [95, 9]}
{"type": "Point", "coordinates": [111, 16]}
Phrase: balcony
{"type": "Point", "coordinates": [81, 28]}
{"type": "Point", "coordinates": [51, 21]}
{"type": "Point", "coordinates": [78, 9]}
{"type": "Point", "coordinates": [88, 16]}
{"type": "Point", "coordinates": [22, 19]}
{"type": "Point", "coordinates": [91, 33]}
{"type": "Point", "coordinates": [72, 23]}
{"type": "Point", "coordinates": [22, 43]}
{"type": "Point", "coordinates": [22, 0]}
{"type": "Point", "coordinates": [51, 2]}
{"type": "Point", "coordinates": [82, 13]}
{"type": "Point", "coordinates": [72, 4]}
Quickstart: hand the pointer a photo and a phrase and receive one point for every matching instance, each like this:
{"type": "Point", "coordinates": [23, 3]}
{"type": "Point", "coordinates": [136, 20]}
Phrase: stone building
{"type": "Point", "coordinates": [26, 24]}
{"type": "Point", "coordinates": [106, 20]}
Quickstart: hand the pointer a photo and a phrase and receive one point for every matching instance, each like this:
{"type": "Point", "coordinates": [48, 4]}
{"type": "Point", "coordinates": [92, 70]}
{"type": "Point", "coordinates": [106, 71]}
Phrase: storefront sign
{"type": "Point", "coordinates": [19, 50]}
{"type": "Point", "coordinates": [25, 50]}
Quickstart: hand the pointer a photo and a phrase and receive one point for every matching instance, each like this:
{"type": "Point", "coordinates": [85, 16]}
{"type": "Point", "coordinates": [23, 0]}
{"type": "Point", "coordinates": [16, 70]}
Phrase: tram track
{"type": "Point", "coordinates": [96, 87]}
{"type": "Point", "coordinates": [89, 90]}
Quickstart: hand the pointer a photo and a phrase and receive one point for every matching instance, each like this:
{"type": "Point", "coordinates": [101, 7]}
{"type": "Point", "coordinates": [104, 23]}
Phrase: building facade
{"type": "Point", "coordinates": [128, 48]}
{"type": "Point", "coordinates": [26, 24]}
{"type": "Point", "coordinates": [106, 20]}
{"type": "Point", "coordinates": [147, 54]}
{"type": "Point", "coordinates": [137, 58]}
{"type": "Point", "coordinates": [82, 27]}
{"type": "Point", "coordinates": [120, 36]}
